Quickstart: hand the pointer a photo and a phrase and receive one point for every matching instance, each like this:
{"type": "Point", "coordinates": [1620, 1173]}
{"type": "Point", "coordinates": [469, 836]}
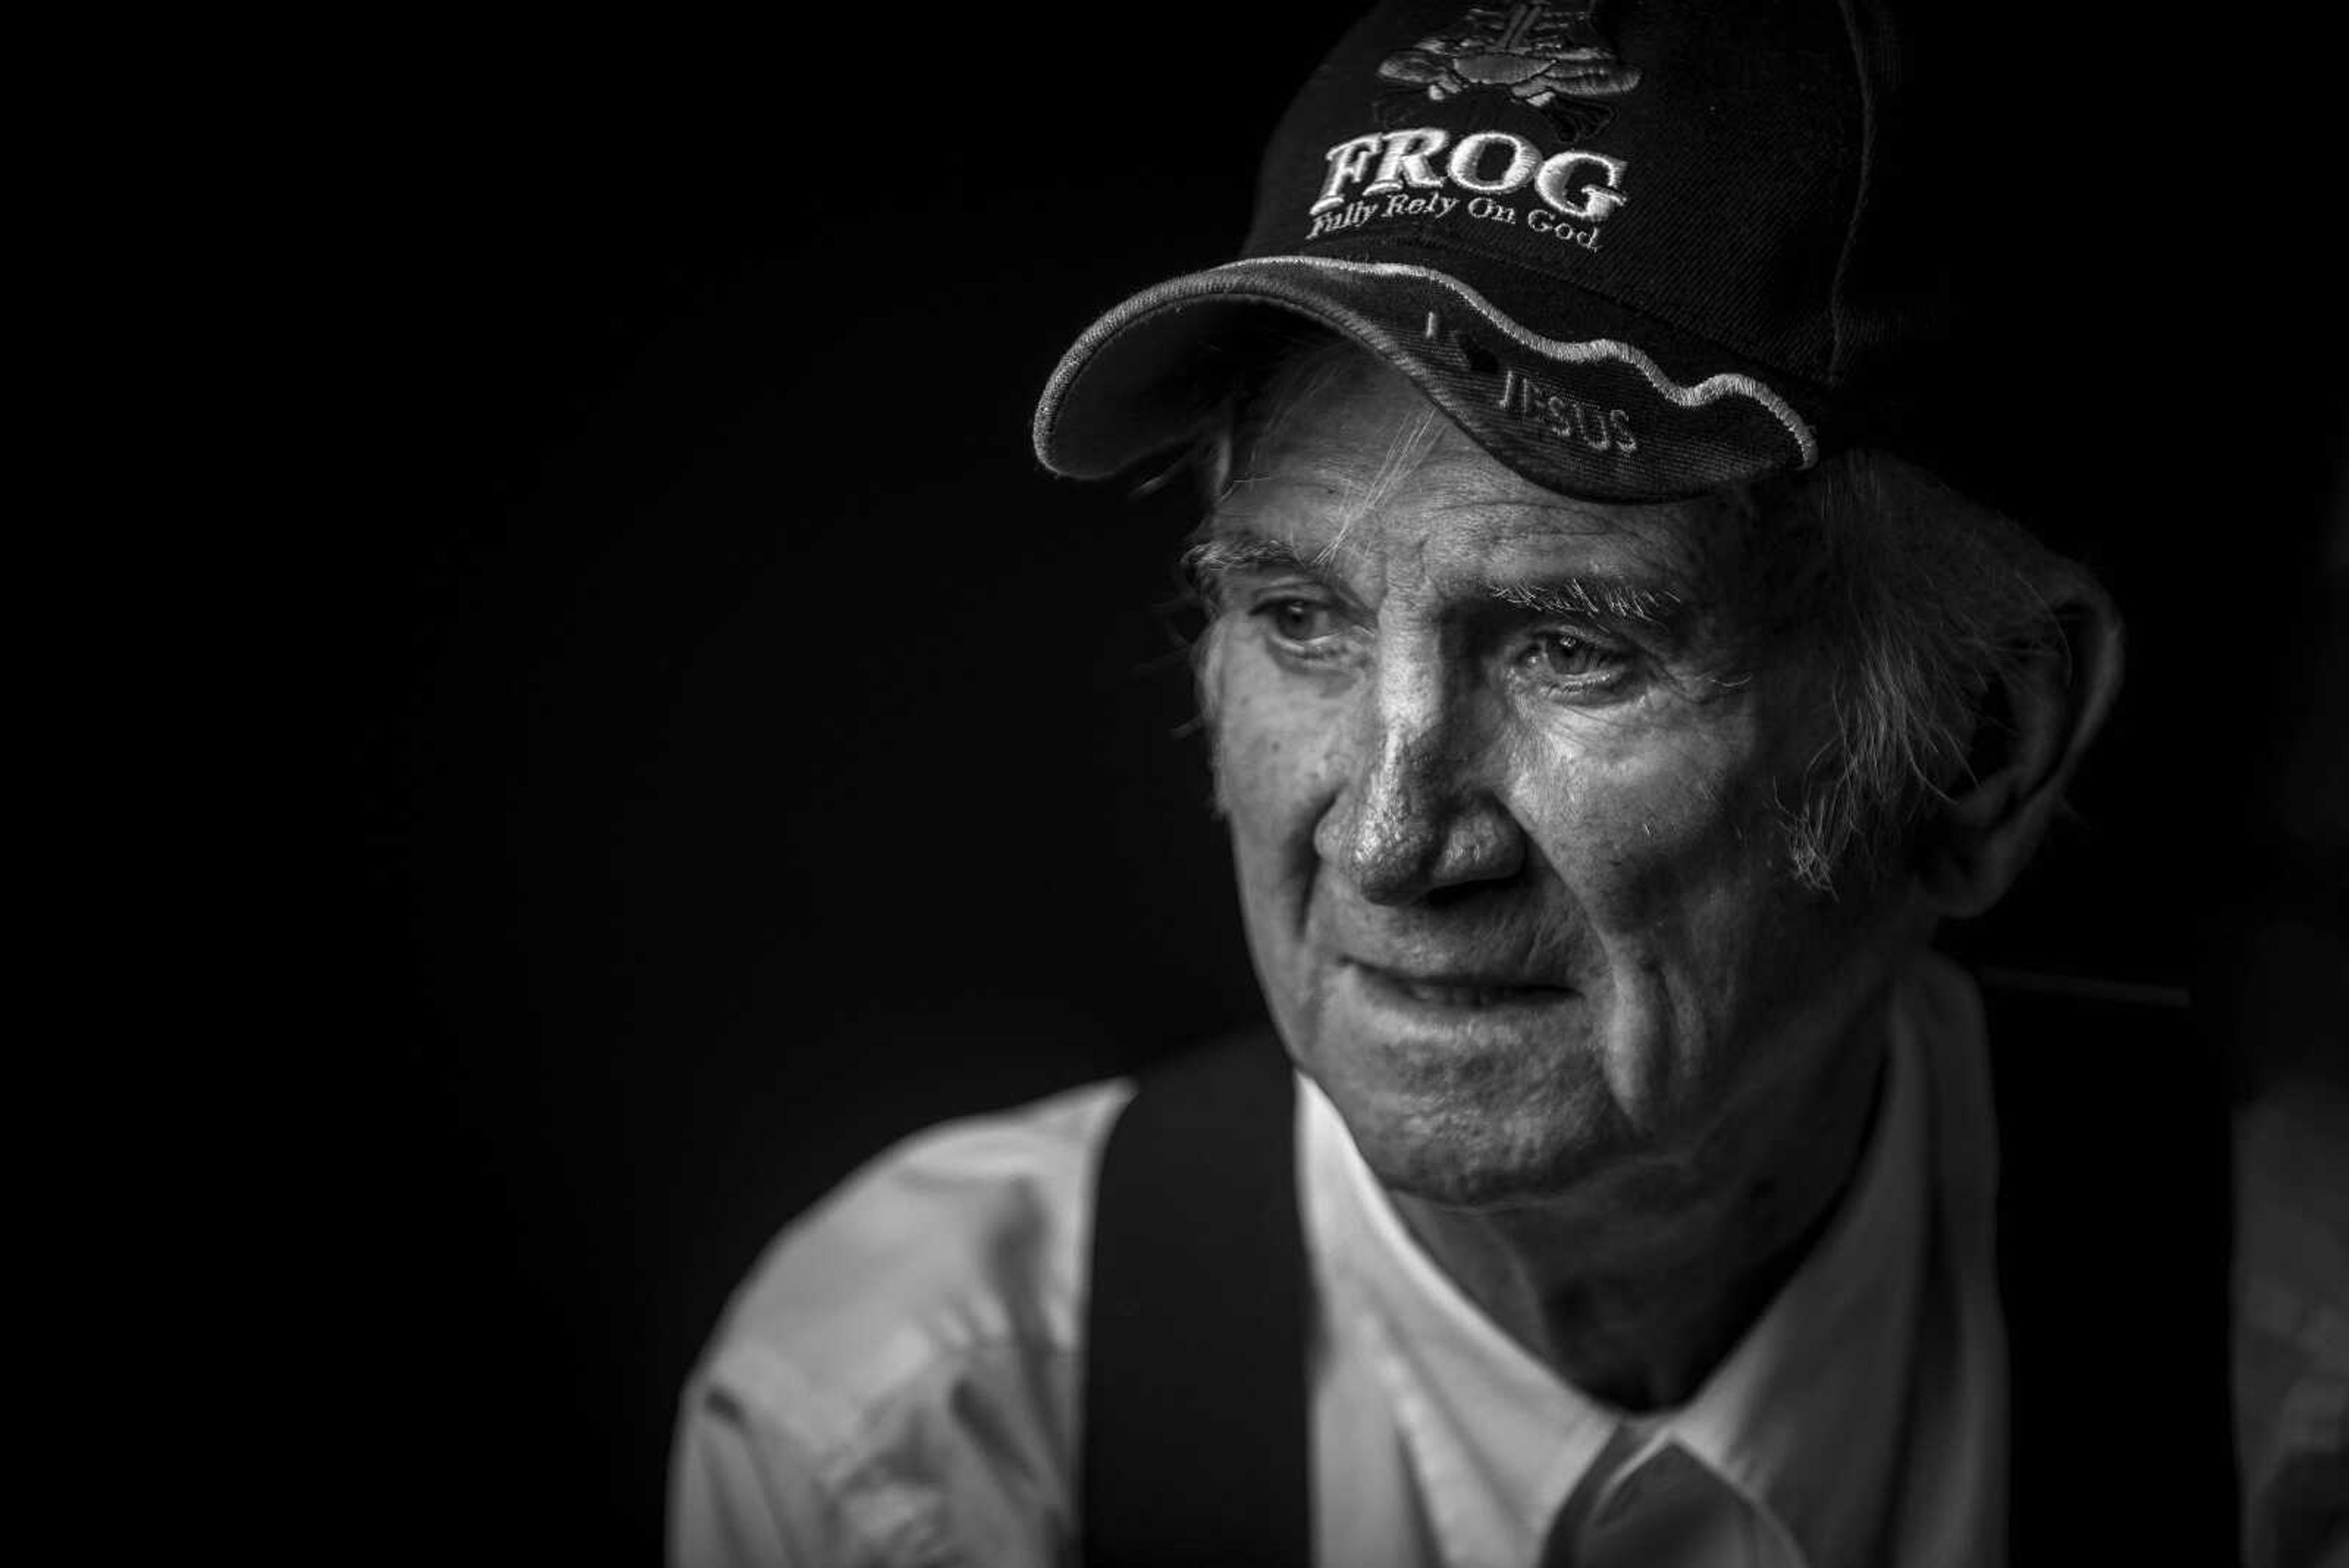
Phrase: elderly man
{"type": "Point", "coordinates": [1612, 686]}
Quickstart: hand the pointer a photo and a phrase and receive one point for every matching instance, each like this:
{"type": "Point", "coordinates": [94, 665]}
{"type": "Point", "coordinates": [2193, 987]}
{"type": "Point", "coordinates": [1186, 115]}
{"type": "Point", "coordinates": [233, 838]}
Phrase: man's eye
{"type": "Point", "coordinates": [1562, 658]}
{"type": "Point", "coordinates": [1302, 622]}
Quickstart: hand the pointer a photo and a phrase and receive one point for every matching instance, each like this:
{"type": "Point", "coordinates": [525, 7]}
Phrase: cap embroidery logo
{"type": "Point", "coordinates": [1547, 56]}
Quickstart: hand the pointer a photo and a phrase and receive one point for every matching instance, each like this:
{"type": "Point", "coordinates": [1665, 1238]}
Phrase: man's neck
{"type": "Point", "coordinates": [1637, 1293]}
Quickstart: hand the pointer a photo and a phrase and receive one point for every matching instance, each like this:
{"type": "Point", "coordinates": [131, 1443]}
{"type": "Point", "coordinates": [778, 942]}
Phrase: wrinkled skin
{"type": "Point", "coordinates": [1511, 874]}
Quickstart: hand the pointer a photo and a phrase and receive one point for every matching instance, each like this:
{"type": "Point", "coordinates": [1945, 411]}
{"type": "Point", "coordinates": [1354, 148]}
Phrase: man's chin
{"type": "Point", "coordinates": [1471, 1153]}
{"type": "Point", "coordinates": [1466, 1108]}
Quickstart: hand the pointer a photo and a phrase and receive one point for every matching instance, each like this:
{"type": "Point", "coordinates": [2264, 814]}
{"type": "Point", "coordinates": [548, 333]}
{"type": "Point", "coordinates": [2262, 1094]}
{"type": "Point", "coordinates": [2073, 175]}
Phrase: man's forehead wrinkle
{"type": "Point", "coordinates": [1341, 461]}
{"type": "Point", "coordinates": [1331, 490]}
{"type": "Point", "coordinates": [1264, 490]}
{"type": "Point", "coordinates": [1265, 514]}
{"type": "Point", "coordinates": [1666, 538]}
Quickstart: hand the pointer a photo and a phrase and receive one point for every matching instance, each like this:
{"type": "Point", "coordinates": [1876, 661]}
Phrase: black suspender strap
{"type": "Point", "coordinates": [1196, 1438]}
{"type": "Point", "coordinates": [2115, 1236]}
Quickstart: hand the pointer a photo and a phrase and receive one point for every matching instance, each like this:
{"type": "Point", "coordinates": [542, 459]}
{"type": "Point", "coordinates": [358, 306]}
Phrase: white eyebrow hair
{"type": "Point", "coordinates": [1222, 554]}
{"type": "Point", "coordinates": [1575, 595]}
{"type": "Point", "coordinates": [1594, 597]}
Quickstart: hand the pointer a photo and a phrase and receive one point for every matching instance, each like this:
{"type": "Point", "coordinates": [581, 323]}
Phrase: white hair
{"type": "Point", "coordinates": [1910, 604]}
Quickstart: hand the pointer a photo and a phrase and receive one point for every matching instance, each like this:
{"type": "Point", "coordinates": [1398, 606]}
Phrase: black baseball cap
{"type": "Point", "coordinates": [1630, 247]}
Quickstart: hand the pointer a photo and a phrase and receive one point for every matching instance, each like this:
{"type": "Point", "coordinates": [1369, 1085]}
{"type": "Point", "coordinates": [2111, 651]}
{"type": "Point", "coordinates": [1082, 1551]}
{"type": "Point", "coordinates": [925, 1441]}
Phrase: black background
{"type": "Point", "coordinates": [759, 757]}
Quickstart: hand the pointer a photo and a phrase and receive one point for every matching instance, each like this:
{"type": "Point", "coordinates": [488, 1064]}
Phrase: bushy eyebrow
{"type": "Point", "coordinates": [1224, 555]}
{"type": "Point", "coordinates": [1579, 595]}
{"type": "Point", "coordinates": [1584, 596]}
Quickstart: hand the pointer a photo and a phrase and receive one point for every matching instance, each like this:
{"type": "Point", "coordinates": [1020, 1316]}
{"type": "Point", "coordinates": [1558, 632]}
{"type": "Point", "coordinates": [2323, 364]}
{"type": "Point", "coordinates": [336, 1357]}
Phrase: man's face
{"type": "Point", "coordinates": [1502, 783]}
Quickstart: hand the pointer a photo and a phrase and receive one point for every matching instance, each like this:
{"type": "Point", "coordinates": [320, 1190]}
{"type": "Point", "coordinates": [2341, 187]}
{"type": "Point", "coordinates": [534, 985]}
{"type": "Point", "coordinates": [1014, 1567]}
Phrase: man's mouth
{"type": "Point", "coordinates": [1461, 995]}
{"type": "Point", "coordinates": [1470, 993]}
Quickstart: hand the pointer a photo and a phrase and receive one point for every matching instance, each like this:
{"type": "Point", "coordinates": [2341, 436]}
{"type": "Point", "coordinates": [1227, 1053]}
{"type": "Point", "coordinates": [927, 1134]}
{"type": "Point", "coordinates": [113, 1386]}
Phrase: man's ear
{"type": "Point", "coordinates": [2033, 727]}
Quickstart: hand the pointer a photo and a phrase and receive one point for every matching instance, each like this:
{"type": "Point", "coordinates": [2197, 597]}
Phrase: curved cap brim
{"type": "Point", "coordinates": [1631, 412]}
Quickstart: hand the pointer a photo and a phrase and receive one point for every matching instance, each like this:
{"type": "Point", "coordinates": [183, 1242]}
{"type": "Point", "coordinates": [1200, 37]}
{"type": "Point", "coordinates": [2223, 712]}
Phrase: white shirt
{"type": "Point", "coordinates": [897, 1384]}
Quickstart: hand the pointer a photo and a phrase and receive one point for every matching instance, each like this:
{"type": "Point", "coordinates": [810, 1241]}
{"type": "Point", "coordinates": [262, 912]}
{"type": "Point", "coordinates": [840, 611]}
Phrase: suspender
{"type": "Point", "coordinates": [2113, 1235]}
{"type": "Point", "coordinates": [1196, 1434]}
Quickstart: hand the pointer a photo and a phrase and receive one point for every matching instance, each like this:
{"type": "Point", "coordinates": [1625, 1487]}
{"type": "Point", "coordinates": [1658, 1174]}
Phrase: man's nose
{"type": "Point", "coordinates": [1416, 815]}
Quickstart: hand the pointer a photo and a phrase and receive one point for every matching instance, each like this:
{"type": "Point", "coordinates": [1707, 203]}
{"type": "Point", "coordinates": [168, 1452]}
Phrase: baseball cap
{"type": "Point", "coordinates": [1636, 249]}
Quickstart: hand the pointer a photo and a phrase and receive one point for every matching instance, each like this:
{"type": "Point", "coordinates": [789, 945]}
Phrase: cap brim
{"type": "Point", "coordinates": [1631, 412]}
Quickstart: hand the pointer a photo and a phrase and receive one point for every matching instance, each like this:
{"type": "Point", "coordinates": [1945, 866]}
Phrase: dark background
{"type": "Point", "coordinates": [758, 757]}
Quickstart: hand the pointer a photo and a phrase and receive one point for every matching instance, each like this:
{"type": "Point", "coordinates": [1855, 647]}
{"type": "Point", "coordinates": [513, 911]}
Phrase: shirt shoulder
{"type": "Point", "coordinates": [968, 1233]}
{"type": "Point", "coordinates": [896, 1380]}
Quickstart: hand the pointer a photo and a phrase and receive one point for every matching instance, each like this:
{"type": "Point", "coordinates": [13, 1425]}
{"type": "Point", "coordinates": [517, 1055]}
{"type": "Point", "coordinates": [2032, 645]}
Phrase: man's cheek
{"type": "Point", "coordinates": [1277, 750]}
{"type": "Point", "coordinates": [1228, 717]}
{"type": "Point", "coordinates": [1639, 828]}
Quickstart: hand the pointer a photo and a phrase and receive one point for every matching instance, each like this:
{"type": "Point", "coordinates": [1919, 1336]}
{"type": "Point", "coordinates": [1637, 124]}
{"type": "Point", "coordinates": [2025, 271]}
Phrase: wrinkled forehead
{"type": "Point", "coordinates": [1335, 451]}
